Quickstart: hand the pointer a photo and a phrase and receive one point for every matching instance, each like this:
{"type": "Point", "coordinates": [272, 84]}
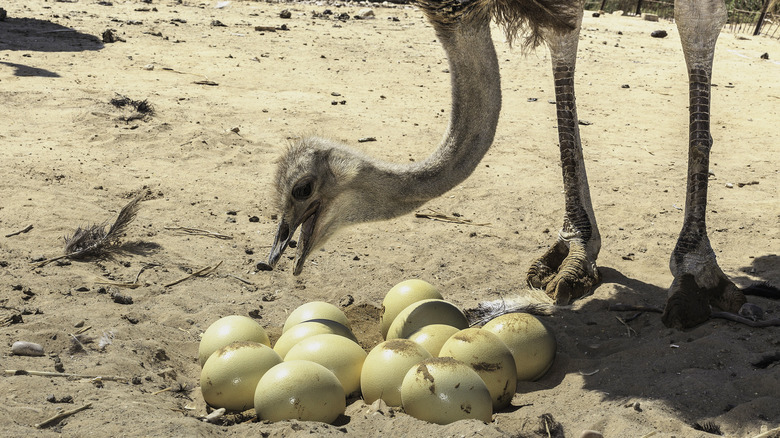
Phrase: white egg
{"type": "Point", "coordinates": [443, 390]}
{"type": "Point", "coordinates": [385, 367]}
{"type": "Point", "coordinates": [316, 310]}
{"type": "Point", "coordinates": [433, 336]}
{"type": "Point", "coordinates": [306, 329]}
{"type": "Point", "coordinates": [486, 354]}
{"type": "Point", "coordinates": [401, 296]}
{"type": "Point", "coordinates": [338, 354]}
{"type": "Point", "coordinates": [299, 390]}
{"type": "Point", "coordinates": [531, 343]}
{"type": "Point", "coordinates": [418, 315]}
{"type": "Point", "coordinates": [227, 330]}
{"type": "Point", "coordinates": [230, 375]}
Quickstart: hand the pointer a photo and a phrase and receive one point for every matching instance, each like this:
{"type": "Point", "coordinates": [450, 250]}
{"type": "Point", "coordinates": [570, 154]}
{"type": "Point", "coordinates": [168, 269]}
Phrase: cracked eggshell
{"type": "Point", "coordinates": [227, 330]}
{"type": "Point", "coordinates": [301, 331]}
{"type": "Point", "coordinates": [532, 344]}
{"type": "Point", "coordinates": [385, 367]}
{"type": "Point", "coordinates": [426, 312]}
{"type": "Point", "coordinates": [486, 354]}
{"type": "Point", "coordinates": [316, 310]}
{"type": "Point", "coordinates": [401, 296]}
{"type": "Point", "coordinates": [443, 390]}
{"type": "Point", "coordinates": [433, 336]}
{"type": "Point", "coordinates": [340, 355]}
{"type": "Point", "coordinates": [230, 375]}
{"type": "Point", "coordinates": [299, 390]}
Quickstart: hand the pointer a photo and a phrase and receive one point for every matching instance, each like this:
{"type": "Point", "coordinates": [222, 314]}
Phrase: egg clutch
{"type": "Point", "coordinates": [431, 364]}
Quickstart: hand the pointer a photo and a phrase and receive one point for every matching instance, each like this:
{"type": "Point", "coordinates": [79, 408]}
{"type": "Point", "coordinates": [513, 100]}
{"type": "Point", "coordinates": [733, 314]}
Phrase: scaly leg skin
{"type": "Point", "coordinates": [698, 280]}
{"type": "Point", "coordinates": [568, 269]}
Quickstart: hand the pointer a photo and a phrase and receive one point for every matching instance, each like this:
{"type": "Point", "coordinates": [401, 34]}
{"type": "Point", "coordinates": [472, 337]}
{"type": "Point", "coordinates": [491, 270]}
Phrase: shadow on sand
{"type": "Point", "coordinates": [708, 374]}
{"type": "Point", "coordinates": [31, 34]}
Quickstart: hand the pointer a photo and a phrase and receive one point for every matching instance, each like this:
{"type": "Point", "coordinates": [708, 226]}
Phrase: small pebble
{"type": "Point", "coordinates": [121, 299]}
{"type": "Point", "coordinates": [214, 416]}
{"type": "Point", "coordinates": [751, 311]}
{"type": "Point", "coordinates": [591, 434]}
{"type": "Point", "coordinates": [22, 348]}
{"type": "Point", "coordinates": [365, 14]}
{"type": "Point", "coordinates": [263, 266]}
{"type": "Point", "coordinates": [658, 34]}
{"type": "Point", "coordinates": [346, 300]}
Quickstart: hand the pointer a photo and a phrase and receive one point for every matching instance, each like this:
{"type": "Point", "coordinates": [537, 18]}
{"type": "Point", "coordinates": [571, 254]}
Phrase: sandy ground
{"type": "Point", "coordinates": [205, 159]}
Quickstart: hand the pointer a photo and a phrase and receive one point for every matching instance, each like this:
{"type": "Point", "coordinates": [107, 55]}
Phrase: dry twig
{"type": "Point", "coordinates": [62, 415]}
{"type": "Point", "coordinates": [241, 279]}
{"type": "Point", "coordinates": [198, 232]}
{"type": "Point", "coordinates": [628, 327]}
{"type": "Point", "coordinates": [200, 273]}
{"type": "Point", "coordinates": [736, 318]}
{"type": "Point", "coordinates": [434, 215]}
{"type": "Point", "coordinates": [72, 376]}
{"type": "Point", "coordinates": [22, 231]}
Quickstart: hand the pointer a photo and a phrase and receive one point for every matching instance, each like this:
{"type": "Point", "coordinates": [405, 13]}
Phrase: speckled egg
{"type": "Point", "coordinates": [532, 344]}
{"type": "Point", "coordinates": [484, 352]}
{"type": "Point", "coordinates": [443, 390]}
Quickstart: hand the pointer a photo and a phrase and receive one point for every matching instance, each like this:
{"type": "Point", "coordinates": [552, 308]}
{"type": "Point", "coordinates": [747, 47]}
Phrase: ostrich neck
{"type": "Point", "coordinates": [476, 104]}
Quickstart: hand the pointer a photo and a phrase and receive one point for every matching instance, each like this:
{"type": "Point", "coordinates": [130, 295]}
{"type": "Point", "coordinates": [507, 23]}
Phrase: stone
{"type": "Point", "coordinates": [365, 14]}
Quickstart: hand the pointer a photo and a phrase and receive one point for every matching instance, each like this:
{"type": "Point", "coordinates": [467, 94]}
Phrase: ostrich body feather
{"type": "Point", "coordinates": [96, 240]}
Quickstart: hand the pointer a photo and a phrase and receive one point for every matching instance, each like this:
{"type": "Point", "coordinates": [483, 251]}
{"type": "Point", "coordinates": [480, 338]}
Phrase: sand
{"type": "Point", "coordinates": [228, 99]}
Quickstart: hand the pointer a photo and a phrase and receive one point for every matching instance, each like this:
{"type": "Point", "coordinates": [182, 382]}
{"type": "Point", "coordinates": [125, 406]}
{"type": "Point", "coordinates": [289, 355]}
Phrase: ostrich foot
{"type": "Point", "coordinates": [689, 304]}
{"type": "Point", "coordinates": [565, 272]}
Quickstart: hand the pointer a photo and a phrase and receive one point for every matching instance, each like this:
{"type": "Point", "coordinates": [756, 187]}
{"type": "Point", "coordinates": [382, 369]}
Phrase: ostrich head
{"type": "Point", "coordinates": [316, 193]}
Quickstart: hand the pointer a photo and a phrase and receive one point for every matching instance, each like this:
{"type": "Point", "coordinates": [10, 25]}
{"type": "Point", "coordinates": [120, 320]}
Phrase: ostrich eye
{"type": "Point", "coordinates": [303, 189]}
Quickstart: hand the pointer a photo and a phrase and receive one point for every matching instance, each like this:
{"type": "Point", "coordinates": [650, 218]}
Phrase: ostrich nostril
{"type": "Point", "coordinates": [284, 232]}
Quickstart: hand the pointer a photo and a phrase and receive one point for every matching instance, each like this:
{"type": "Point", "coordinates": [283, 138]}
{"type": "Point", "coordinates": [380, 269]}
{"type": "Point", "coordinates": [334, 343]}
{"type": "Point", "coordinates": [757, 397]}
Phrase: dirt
{"type": "Point", "coordinates": [221, 104]}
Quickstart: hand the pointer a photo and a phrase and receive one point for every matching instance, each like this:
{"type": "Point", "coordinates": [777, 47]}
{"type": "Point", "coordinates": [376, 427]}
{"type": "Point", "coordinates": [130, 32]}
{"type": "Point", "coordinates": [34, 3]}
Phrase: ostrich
{"type": "Point", "coordinates": [323, 186]}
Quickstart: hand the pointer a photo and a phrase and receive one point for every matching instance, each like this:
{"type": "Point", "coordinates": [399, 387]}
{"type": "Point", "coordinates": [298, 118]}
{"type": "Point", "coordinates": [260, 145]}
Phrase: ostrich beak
{"type": "Point", "coordinates": [284, 234]}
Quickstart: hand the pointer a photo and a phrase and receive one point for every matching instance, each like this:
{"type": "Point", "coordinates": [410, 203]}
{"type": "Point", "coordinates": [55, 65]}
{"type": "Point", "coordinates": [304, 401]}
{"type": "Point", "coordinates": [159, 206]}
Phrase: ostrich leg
{"type": "Point", "coordinates": [698, 280]}
{"type": "Point", "coordinates": [568, 270]}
